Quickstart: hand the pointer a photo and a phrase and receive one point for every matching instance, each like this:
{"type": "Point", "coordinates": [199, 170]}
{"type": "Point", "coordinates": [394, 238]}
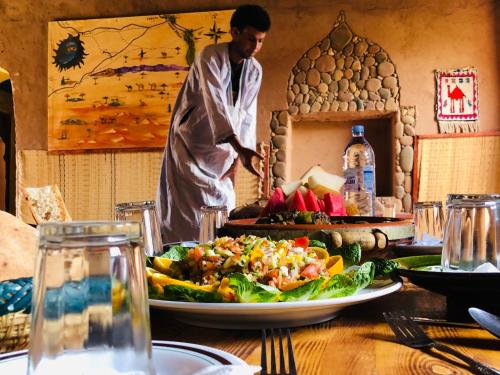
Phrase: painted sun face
{"type": "Point", "coordinates": [70, 53]}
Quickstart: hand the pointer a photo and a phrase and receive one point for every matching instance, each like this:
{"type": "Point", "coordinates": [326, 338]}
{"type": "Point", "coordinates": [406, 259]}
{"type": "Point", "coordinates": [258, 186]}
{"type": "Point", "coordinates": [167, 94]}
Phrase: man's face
{"type": "Point", "coordinates": [248, 42]}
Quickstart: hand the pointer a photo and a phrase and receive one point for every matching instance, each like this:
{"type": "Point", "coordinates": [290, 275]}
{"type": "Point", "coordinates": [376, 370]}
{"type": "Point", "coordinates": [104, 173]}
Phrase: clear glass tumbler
{"type": "Point", "coordinates": [145, 213]}
{"type": "Point", "coordinates": [455, 198]}
{"type": "Point", "coordinates": [428, 218]}
{"type": "Point", "coordinates": [385, 206]}
{"type": "Point", "coordinates": [212, 218]}
{"type": "Point", "coordinates": [90, 311]}
{"type": "Point", "coordinates": [472, 235]}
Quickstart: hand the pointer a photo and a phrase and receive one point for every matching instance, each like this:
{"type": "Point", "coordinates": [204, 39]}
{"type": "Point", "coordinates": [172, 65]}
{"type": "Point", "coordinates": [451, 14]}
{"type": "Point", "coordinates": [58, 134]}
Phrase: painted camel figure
{"type": "Point", "coordinates": [458, 95]}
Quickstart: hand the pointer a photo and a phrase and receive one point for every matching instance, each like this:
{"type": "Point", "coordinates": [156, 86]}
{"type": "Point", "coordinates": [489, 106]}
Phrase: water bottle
{"type": "Point", "coordinates": [359, 172]}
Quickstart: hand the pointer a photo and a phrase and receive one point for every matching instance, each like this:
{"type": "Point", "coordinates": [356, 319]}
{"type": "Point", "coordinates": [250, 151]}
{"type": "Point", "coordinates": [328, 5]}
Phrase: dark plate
{"type": "Point", "coordinates": [424, 271]}
{"type": "Point", "coordinates": [406, 250]}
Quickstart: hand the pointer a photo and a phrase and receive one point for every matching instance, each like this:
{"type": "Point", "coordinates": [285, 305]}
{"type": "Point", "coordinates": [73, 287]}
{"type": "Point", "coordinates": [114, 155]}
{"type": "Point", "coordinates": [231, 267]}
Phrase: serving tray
{"type": "Point", "coordinates": [386, 232]}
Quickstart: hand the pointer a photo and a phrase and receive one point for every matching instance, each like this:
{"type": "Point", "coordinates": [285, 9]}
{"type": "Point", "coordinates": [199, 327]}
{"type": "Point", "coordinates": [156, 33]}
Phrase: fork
{"type": "Point", "coordinates": [291, 360]}
{"type": "Point", "coordinates": [410, 334]}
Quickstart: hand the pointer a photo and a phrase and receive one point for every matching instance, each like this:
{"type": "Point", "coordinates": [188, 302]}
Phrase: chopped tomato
{"type": "Point", "coordinates": [273, 274]}
{"type": "Point", "coordinates": [235, 249]}
{"type": "Point", "coordinates": [197, 253]}
{"type": "Point", "coordinates": [311, 271]}
{"type": "Point", "coordinates": [209, 266]}
{"type": "Point", "coordinates": [302, 242]}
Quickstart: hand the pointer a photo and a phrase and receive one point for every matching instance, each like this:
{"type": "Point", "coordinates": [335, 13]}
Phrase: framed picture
{"type": "Point", "coordinates": [457, 98]}
{"type": "Point", "coordinates": [112, 83]}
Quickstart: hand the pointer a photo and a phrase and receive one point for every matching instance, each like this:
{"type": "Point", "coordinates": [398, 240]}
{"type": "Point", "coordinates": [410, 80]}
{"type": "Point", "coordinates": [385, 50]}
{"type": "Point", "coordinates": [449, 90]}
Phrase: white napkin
{"type": "Point", "coordinates": [228, 370]}
{"type": "Point", "coordinates": [486, 267]}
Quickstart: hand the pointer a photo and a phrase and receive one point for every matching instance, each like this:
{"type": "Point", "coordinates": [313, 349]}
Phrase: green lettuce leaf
{"type": "Point", "coordinates": [247, 291]}
{"type": "Point", "coordinates": [182, 293]}
{"type": "Point", "coordinates": [384, 266]}
{"type": "Point", "coordinates": [351, 254]}
{"type": "Point", "coordinates": [176, 252]}
{"type": "Point", "coordinates": [338, 286]}
{"type": "Point", "coordinates": [364, 275]}
{"type": "Point", "coordinates": [152, 294]}
{"type": "Point", "coordinates": [304, 292]}
{"type": "Point", "coordinates": [316, 243]}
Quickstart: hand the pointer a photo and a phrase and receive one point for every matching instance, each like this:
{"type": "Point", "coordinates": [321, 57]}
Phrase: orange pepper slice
{"type": "Point", "coordinates": [335, 265]}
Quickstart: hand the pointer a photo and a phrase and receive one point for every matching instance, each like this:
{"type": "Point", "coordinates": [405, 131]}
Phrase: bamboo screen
{"type": "Point", "coordinates": [458, 164]}
{"type": "Point", "coordinates": [91, 184]}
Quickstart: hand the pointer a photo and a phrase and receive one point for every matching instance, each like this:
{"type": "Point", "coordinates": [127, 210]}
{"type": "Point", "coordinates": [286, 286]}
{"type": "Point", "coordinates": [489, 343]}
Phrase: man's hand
{"type": "Point", "coordinates": [246, 156]}
{"type": "Point", "coordinates": [231, 172]}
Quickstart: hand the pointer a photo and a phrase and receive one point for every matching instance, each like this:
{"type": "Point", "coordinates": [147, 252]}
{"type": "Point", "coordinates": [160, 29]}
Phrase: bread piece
{"type": "Point", "coordinates": [46, 204]}
{"type": "Point", "coordinates": [18, 246]}
{"type": "Point", "coordinates": [311, 171]}
{"type": "Point", "coordinates": [327, 183]}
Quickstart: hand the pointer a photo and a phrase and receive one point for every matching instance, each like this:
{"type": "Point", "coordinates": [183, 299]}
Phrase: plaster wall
{"type": "Point", "coordinates": [419, 35]}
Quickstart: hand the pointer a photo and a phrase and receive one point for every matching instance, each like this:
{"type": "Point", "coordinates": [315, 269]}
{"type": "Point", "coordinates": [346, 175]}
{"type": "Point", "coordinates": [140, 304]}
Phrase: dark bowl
{"type": "Point", "coordinates": [465, 284]}
{"type": "Point", "coordinates": [462, 289]}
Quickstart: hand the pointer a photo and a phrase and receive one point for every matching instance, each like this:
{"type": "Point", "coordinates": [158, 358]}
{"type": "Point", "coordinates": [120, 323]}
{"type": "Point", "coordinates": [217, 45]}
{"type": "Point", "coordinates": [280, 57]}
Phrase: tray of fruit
{"type": "Point", "coordinates": [314, 207]}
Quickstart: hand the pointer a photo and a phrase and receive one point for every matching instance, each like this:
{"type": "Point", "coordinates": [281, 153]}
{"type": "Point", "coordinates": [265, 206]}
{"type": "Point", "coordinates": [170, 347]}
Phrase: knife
{"type": "Point", "coordinates": [444, 322]}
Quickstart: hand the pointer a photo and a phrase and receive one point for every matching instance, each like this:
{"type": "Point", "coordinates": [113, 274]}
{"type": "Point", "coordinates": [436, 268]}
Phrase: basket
{"type": "Point", "coordinates": [15, 317]}
{"type": "Point", "coordinates": [14, 331]}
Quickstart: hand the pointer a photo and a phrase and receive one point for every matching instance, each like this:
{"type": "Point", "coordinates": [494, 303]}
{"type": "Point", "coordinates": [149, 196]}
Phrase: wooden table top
{"type": "Point", "coordinates": [357, 342]}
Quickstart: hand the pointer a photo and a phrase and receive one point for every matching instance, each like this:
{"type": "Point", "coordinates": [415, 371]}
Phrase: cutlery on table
{"type": "Point", "coordinates": [292, 370]}
{"type": "Point", "coordinates": [443, 322]}
{"type": "Point", "coordinates": [410, 334]}
{"type": "Point", "coordinates": [488, 321]}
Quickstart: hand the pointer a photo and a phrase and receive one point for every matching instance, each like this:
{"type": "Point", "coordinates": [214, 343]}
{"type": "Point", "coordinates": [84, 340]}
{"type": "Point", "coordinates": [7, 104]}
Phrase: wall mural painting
{"type": "Point", "coordinates": [112, 83]}
{"type": "Point", "coordinates": [457, 102]}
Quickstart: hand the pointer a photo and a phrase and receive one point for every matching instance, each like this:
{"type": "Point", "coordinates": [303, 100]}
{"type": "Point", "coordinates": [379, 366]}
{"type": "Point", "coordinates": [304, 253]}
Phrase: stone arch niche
{"type": "Point", "coordinates": [341, 80]}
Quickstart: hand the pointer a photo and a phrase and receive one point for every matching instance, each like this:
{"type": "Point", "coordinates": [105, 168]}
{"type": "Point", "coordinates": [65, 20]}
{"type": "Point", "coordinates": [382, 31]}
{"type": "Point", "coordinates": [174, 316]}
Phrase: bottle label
{"type": "Point", "coordinates": [369, 178]}
{"type": "Point", "coordinates": [351, 180]}
{"type": "Point", "coordinates": [359, 180]}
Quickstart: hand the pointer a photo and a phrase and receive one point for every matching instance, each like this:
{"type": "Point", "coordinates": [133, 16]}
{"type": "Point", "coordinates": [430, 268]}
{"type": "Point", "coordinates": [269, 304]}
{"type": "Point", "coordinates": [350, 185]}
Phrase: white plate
{"type": "Point", "coordinates": [270, 314]}
{"type": "Point", "coordinates": [169, 358]}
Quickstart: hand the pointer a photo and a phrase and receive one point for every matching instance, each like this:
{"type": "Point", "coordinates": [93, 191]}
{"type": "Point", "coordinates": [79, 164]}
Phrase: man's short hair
{"type": "Point", "coordinates": [251, 15]}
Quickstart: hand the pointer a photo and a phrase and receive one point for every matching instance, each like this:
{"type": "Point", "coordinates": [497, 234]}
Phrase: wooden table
{"type": "Point", "coordinates": [357, 342]}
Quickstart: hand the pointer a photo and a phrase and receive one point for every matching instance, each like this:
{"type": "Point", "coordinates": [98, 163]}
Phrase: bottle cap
{"type": "Point", "coordinates": [358, 129]}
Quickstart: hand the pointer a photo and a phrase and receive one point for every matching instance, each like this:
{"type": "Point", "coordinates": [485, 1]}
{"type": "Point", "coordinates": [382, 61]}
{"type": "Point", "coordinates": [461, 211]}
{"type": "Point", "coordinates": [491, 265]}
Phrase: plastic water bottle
{"type": "Point", "coordinates": [359, 172]}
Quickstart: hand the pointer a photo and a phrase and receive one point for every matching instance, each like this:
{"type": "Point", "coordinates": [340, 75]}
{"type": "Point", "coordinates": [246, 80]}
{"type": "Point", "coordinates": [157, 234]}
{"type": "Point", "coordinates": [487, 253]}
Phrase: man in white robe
{"type": "Point", "coordinates": [213, 125]}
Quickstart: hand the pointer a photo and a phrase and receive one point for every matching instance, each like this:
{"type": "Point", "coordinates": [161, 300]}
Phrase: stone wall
{"type": "Point", "coordinates": [345, 72]}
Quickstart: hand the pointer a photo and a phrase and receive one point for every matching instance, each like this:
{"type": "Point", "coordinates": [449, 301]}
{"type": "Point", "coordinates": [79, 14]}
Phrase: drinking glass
{"type": "Point", "coordinates": [453, 198]}
{"type": "Point", "coordinates": [212, 218]}
{"type": "Point", "coordinates": [385, 206]}
{"type": "Point", "coordinates": [472, 234]}
{"type": "Point", "coordinates": [89, 309]}
{"type": "Point", "coordinates": [428, 218]}
{"type": "Point", "coordinates": [145, 213]}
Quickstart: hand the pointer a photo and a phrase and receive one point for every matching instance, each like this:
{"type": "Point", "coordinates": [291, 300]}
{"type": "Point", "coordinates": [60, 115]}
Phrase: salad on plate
{"type": "Point", "coordinates": [255, 269]}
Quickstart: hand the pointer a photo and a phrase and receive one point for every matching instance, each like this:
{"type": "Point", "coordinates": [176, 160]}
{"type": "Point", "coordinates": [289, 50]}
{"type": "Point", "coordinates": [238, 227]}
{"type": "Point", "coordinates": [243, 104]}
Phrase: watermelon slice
{"type": "Point", "coordinates": [311, 201]}
{"type": "Point", "coordinates": [276, 203]}
{"type": "Point", "coordinates": [321, 203]}
{"type": "Point", "coordinates": [334, 205]}
{"type": "Point", "coordinates": [297, 202]}
{"type": "Point", "coordinates": [289, 197]}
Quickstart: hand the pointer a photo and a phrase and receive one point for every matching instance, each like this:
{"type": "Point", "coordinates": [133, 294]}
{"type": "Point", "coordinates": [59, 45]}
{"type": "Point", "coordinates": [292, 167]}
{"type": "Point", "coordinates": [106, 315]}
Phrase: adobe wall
{"type": "Point", "coordinates": [419, 35]}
